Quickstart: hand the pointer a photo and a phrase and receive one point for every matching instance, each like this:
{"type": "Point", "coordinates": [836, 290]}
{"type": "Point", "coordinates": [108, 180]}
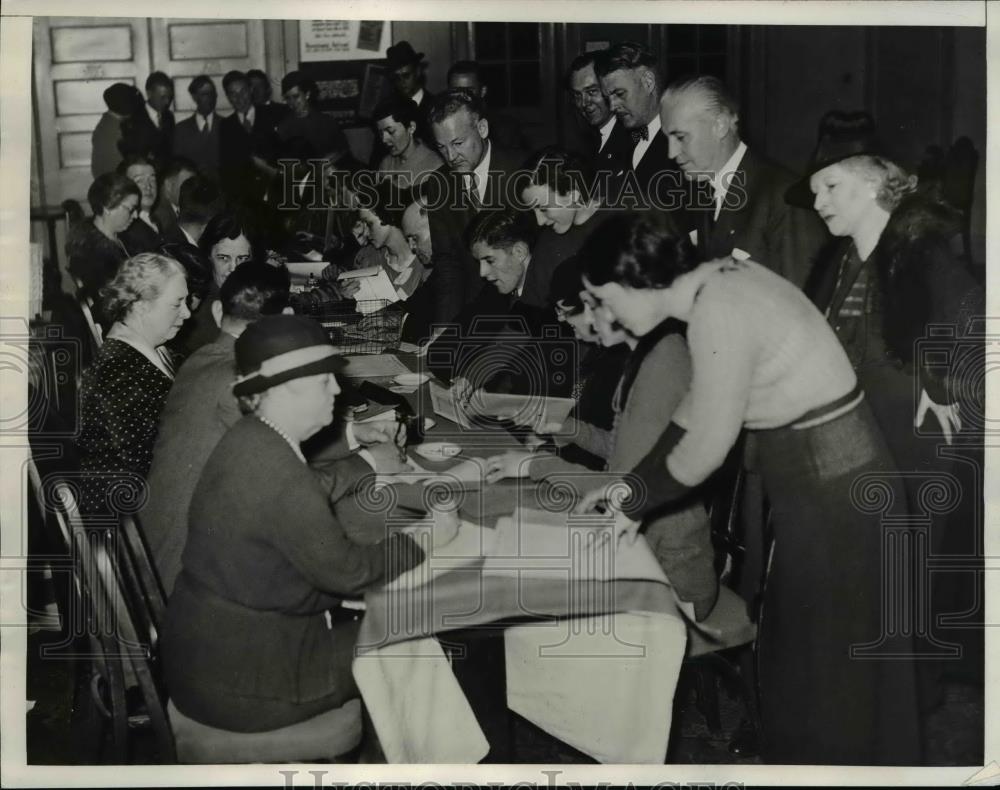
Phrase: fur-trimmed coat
{"type": "Point", "coordinates": [915, 281]}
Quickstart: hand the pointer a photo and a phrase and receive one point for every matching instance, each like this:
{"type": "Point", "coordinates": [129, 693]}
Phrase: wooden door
{"type": "Point", "coordinates": [75, 60]}
{"type": "Point", "coordinates": [185, 48]}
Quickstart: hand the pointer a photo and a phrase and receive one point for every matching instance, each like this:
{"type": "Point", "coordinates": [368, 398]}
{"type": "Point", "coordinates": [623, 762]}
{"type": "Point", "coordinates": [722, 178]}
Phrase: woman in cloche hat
{"type": "Point", "coordinates": [254, 638]}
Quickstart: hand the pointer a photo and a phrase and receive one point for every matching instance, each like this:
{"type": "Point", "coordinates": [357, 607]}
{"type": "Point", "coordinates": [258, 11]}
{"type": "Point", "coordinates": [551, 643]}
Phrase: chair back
{"type": "Point", "coordinates": [122, 626]}
{"type": "Point", "coordinates": [86, 304]}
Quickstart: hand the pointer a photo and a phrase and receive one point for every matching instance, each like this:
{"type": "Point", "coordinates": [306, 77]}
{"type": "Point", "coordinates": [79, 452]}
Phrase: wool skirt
{"type": "Point", "coordinates": [837, 675]}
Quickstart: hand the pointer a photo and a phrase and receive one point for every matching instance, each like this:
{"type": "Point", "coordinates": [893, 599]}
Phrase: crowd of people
{"type": "Point", "coordinates": [704, 302]}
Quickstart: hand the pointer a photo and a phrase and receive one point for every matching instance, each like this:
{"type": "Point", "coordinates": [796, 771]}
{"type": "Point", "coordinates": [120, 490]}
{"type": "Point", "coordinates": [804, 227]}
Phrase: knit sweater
{"type": "Point", "coordinates": [762, 356]}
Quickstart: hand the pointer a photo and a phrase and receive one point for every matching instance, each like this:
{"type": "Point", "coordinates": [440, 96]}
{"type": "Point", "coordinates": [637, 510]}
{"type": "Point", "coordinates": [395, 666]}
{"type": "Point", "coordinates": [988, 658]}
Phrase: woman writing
{"type": "Point", "coordinates": [123, 392]}
{"type": "Point", "coordinates": [254, 639]}
{"type": "Point", "coordinates": [764, 358]}
{"type": "Point", "coordinates": [647, 390]}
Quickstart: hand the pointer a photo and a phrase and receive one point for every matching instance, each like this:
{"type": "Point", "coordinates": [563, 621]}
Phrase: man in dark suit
{"type": "Point", "coordinates": [476, 180]}
{"type": "Point", "coordinates": [406, 71]}
{"type": "Point", "coordinates": [630, 78]}
{"type": "Point", "coordinates": [744, 206]}
{"type": "Point", "coordinates": [150, 130]}
{"type": "Point", "coordinates": [197, 137]}
{"type": "Point", "coordinates": [260, 94]}
{"type": "Point", "coordinates": [199, 201]}
{"type": "Point", "coordinates": [505, 129]}
{"type": "Point", "coordinates": [508, 338]}
{"type": "Point", "coordinates": [142, 234]}
{"type": "Point", "coordinates": [167, 209]}
{"type": "Point", "coordinates": [249, 142]}
{"type": "Point", "coordinates": [612, 142]}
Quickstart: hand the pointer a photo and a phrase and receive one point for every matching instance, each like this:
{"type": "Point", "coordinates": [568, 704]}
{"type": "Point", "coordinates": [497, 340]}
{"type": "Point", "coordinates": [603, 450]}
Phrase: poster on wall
{"type": "Point", "coordinates": [343, 39]}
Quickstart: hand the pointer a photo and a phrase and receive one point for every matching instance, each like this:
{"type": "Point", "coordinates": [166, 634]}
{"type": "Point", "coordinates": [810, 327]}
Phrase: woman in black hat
{"type": "Point", "coordinates": [763, 358]}
{"type": "Point", "coordinates": [254, 637]}
{"type": "Point", "coordinates": [892, 276]}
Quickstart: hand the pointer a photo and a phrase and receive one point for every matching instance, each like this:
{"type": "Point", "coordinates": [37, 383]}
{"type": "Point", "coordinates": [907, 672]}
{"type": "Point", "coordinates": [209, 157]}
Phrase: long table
{"type": "Point", "coordinates": [592, 639]}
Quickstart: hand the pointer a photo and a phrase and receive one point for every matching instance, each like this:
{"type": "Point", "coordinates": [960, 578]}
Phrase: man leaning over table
{"type": "Point", "coordinates": [201, 407]}
{"type": "Point", "coordinates": [254, 637]}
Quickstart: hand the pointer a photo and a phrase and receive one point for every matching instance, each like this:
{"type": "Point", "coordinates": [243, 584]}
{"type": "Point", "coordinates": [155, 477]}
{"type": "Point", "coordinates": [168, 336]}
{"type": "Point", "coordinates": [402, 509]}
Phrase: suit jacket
{"type": "Point", "coordinates": [756, 219]}
{"type": "Point", "coordinates": [239, 176]}
{"type": "Point", "coordinates": [105, 156]}
{"type": "Point", "coordinates": [615, 157]}
{"type": "Point", "coordinates": [265, 557]}
{"type": "Point", "coordinates": [501, 342]}
{"type": "Point", "coordinates": [165, 217]}
{"type": "Point", "coordinates": [656, 182]}
{"type": "Point", "coordinates": [456, 280]}
{"type": "Point", "coordinates": [140, 237]}
{"type": "Point", "coordinates": [200, 147]}
{"type": "Point", "coordinates": [141, 136]}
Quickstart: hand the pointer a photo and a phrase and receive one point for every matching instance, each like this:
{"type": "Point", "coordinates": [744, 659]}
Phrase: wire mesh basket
{"type": "Point", "coordinates": [359, 327]}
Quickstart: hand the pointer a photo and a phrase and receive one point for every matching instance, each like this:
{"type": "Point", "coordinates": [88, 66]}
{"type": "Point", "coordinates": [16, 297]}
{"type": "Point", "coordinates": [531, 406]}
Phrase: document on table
{"type": "Point", "coordinates": [521, 409]}
{"type": "Point", "coordinates": [373, 366]}
{"type": "Point", "coordinates": [376, 288]}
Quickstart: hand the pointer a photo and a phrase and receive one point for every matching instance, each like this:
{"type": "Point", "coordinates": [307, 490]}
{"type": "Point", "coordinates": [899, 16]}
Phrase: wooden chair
{"type": "Point", "coordinates": [124, 614]}
{"type": "Point", "coordinates": [86, 304]}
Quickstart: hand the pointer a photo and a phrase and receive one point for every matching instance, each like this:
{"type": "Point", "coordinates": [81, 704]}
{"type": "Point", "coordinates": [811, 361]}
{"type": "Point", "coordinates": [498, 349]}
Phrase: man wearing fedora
{"type": "Point", "coordinates": [406, 71]}
{"type": "Point", "coordinates": [742, 204]}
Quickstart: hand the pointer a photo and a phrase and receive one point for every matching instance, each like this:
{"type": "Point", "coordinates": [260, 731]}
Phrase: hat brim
{"type": "Point", "coordinates": [256, 384]}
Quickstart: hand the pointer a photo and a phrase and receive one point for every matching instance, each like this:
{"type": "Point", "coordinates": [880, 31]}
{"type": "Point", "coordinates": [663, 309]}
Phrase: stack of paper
{"type": "Point", "coordinates": [376, 288]}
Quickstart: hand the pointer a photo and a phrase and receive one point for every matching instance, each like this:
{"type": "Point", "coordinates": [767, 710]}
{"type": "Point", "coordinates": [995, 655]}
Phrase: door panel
{"type": "Point", "coordinates": [185, 48]}
{"type": "Point", "coordinates": [75, 60]}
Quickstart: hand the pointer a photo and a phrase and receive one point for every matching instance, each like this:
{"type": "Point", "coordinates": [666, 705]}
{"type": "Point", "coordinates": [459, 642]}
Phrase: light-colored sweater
{"type": "Point", "coordinates": [762, 356]}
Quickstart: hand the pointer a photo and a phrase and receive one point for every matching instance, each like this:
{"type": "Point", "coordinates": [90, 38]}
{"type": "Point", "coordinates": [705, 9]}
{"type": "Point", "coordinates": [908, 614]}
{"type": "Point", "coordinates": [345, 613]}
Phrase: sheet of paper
{"type": "Point", "coordinates": [376, 288]}
{"type": "Point", "coordinates": [373, 366]}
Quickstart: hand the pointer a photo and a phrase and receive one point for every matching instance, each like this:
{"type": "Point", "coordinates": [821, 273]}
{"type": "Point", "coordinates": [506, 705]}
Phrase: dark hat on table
{"type": "Point", "coordinates": [402, 54]}
{"type": "Point", "coordinates": [122, 98]}
{"type": "Point", "coordinates": [279, 348]}
{"type": "Point", "coordinates": [841, 136]}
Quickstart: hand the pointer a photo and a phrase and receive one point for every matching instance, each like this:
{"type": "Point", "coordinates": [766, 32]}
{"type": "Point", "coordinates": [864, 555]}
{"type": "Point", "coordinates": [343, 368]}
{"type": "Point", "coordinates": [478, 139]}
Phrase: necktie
{"type": "Point", "coordinates": [642, 133]}
{"type": "Point", "coordinates": [477, 204]}
{"type": "Point", "coordinates": [246, 124]}
{"type": "Point", "coordinates": [204, 129]}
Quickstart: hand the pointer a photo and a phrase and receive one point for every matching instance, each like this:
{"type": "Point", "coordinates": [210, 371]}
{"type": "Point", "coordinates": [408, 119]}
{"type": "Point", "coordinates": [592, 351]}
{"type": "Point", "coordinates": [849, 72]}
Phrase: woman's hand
{"type": "Point", "coordinates": [462, 391]}
{"type": "Point", "coordinates": [514, 463]}
{"type": "Point", "coordinates": [947, 416]}
{"type": "Point", "coordinates": [369, 433]}
{"type": "Point", "coordinates": [608, 497]}
{"type": "Point", "coordinates": [388, 459]}
{"type": "Point", "coordinates": [350, 287]}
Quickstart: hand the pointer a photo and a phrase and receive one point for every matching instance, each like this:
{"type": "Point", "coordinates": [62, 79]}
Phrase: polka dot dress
{"type": "Point", "coordinates": [122, 396]}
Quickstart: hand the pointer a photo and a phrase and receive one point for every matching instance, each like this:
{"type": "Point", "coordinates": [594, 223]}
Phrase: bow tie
{"type": "Point", "coordinates": [642, 133]}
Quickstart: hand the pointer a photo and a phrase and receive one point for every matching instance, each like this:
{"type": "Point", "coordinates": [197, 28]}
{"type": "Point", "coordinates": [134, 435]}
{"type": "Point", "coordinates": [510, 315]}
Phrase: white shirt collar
{"type": "Point", "coordinates": [249, 115]}
{"type": "Point", "coordinates": [607, 129]}
{"type": "Point", "coordinates": [154, 116]}
{"type": "Point", "coordinates": [144, 216]}
{"type": "Point", "coordinates": [295, 447]}
{"type": "Point", "coordinates": [481, 173]}
{"type": "Point", "coordinates": [524, 278]}
{"type": "Point", "coordinates": [188, 236]}
{"type": "Point", "coordinates": [417, 97]}
{"type": "Point", "coordinates": [723, 178]}
{"type": "Point", "coordinates": [203, 121]}
{"type": "Point", "coordinates": [653, 129]}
